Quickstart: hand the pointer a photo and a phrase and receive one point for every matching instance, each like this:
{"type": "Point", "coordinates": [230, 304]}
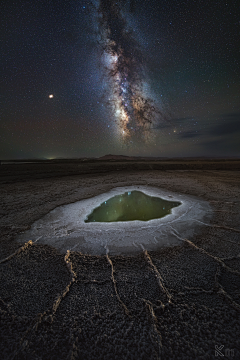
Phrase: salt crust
{"type": "Point", "coordinates": [64, 227]}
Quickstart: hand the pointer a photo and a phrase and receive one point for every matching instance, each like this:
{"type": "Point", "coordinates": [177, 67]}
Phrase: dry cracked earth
{"type": "Point", "coordinates": [181, 302]}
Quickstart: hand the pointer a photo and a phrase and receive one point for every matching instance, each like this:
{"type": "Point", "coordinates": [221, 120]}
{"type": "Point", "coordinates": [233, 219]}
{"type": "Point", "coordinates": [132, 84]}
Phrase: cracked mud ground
{"type": "Point", "coordinates": [174, 303]}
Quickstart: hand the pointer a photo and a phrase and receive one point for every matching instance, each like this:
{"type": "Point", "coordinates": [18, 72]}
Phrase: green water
{"type": "Point", "coordinates": [132, 205]}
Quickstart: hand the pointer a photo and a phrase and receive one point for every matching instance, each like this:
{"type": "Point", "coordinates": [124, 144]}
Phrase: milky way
{"type": "Point", "coordinates": [134, 109]}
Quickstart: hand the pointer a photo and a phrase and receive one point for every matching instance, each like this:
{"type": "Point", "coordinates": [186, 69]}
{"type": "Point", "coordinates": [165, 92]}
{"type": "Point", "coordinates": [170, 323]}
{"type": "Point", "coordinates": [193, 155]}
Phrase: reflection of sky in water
{"type": "Point", "coordinates": [130, 206]}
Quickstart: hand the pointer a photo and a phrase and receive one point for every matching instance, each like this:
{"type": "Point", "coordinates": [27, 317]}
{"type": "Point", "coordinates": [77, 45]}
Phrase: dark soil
{"type": "Point", "coordinates": [174, 303]}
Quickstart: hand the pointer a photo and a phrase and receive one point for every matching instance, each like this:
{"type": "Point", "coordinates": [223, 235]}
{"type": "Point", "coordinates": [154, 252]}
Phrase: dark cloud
{"type": "Point", "coordinates": [223, 140]}
{"type": "Point", "coordinates": [229, 124]}
{"type": "Point", "coordinates": [172, 122]}
{"type": "Point", "coordinates": [189, 134]}
{"type": "Point", "coordinates": [221, 146]}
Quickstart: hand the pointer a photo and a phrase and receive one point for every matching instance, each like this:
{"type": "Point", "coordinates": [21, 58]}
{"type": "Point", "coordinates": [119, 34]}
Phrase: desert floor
{"type": "Point", "coordinates": [181, 302]}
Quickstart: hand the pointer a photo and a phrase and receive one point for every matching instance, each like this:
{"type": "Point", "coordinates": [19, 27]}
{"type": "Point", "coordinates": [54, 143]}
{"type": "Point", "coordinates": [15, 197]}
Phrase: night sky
{"type": "Point", "coordinates": [143, 78]}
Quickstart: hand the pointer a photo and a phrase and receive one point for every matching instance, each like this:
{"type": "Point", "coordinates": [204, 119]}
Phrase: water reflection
{"type": "Point", "coordinates": [132, 205]}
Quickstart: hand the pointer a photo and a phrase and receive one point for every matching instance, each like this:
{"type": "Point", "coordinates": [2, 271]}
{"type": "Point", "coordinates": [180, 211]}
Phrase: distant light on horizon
{"type": "Point", "coordinates": [50, 157]}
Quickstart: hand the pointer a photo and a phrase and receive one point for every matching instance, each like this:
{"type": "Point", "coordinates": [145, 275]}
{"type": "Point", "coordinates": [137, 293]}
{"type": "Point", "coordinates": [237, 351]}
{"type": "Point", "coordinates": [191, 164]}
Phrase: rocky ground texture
{"type": "Point", "coordinates": [181, 302]}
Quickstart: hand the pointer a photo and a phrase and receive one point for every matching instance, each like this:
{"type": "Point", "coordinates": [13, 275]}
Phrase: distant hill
{"type": "Point", "coordinates": [117, 157]}
{"type": "Point", "coordinates": [126, 158]}
{"type": "Point", "coordinates": [111, 157]}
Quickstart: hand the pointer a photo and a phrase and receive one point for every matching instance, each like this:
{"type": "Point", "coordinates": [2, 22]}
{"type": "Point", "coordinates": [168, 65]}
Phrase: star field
{"type": "Point", "coordinates": [151, 78]}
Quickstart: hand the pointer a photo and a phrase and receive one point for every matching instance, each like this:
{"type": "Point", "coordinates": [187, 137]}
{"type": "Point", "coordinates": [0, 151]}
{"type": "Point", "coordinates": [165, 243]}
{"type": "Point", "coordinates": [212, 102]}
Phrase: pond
{"type": "Point", "coordinates": [121, 221]}
{"type": "Point", "coordinates": [130, 206]}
